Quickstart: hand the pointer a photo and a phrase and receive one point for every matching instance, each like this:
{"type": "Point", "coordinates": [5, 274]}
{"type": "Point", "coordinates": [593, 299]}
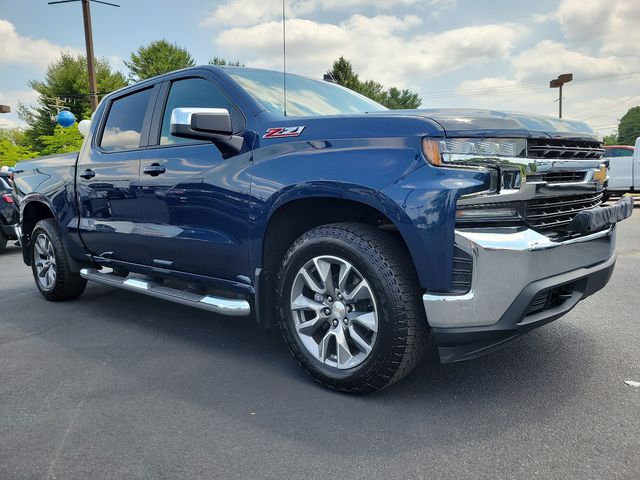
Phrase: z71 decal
{"type": "Point", "coordinates": [280, 132]}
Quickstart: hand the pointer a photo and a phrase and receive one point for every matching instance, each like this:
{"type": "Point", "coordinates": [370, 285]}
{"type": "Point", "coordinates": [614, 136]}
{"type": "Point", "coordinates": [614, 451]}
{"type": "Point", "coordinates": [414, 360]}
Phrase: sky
{"type": "Point", "coordinates": [496, 54]}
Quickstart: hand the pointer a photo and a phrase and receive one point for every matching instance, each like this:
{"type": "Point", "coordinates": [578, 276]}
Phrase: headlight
{"type": "Point", "coordinates": [483, 214]}
{"type": "Point", "coordinates": [470, 151]}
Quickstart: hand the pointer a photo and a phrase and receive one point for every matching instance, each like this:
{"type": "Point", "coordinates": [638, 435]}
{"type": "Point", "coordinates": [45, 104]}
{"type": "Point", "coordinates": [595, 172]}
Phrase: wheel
{"type": "Point", "coordinates": [350, 308]}
{"type": "Point", "coordinates": [49, 264]}
{"type": "Point", "coordinates": [3, 241]}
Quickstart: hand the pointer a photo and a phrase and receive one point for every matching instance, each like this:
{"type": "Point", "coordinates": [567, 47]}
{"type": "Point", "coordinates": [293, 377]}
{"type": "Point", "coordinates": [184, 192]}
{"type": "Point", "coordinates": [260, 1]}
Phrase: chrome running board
{"type": "Point", "coordinates": [234, 307]}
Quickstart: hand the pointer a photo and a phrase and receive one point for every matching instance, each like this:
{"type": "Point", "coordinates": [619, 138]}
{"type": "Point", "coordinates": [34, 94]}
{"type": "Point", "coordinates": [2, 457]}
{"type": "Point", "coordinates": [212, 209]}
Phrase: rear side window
{"type": "Point", "coordinates": [4, 185]}
{"type": "Point", "coordinates": [193, 92]}
{"type": "Point", "coordinates": [123, 128]}
{"type": "Point", "coordinates": [619, 152]}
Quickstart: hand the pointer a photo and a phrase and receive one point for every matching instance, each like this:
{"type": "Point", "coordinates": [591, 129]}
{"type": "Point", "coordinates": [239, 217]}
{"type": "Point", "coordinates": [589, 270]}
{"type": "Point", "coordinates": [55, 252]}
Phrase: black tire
{"type": "Point", "coordinates": [67, 284]}
{"type": "Point", "coordinates": [403, 331]}
{"type": "Point", "coordinates": [3, 241]}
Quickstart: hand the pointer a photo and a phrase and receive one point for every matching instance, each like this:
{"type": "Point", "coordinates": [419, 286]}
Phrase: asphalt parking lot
{"type": "Point", "coordinates": [116, 385]}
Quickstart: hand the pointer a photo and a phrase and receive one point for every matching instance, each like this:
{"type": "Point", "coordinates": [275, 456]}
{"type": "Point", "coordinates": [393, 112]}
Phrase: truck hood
{"type": "Point", "coordinates": [491, 123]}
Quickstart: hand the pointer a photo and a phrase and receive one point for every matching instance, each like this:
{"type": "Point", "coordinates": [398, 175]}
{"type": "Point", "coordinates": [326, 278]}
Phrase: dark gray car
{"type": "Point", "coordinates": [9, 218]}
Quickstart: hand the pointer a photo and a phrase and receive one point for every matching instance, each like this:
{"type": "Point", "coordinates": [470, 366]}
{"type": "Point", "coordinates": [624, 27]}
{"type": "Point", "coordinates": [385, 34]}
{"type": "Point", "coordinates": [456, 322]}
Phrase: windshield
{"type": "Point", "coordinates": [305, 96]}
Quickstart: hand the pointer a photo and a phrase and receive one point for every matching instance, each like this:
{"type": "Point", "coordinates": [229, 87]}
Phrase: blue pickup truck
{"type": "Point", "coordinates": [364, 233]}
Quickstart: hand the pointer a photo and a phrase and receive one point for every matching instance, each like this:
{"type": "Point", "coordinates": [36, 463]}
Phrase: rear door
{"type": "Point", "coordinates": [195, 200]}
{"type": "Point", "coordinates": [108, 172]}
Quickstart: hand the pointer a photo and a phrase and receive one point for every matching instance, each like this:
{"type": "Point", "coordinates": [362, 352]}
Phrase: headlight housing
{"type": "Point", "coordinates": [504, 214]}
{"type": "Point", "coordinates": [472, 151]}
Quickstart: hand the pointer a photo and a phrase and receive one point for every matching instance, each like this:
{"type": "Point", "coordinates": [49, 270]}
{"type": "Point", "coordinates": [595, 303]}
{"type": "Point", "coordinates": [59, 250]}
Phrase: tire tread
{"type": "Point", "coordinates": [393, 263]}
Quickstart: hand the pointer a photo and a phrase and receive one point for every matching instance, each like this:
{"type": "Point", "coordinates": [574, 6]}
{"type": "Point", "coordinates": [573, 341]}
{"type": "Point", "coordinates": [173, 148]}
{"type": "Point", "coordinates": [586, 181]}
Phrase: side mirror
{"type": "Point", "coordinates": [212, 124]}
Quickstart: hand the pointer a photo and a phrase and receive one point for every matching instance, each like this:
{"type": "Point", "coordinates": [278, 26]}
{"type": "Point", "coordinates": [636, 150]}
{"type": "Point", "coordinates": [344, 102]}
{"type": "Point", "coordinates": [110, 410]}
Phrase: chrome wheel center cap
{"type": "Point", "coordinates": [339, 310]}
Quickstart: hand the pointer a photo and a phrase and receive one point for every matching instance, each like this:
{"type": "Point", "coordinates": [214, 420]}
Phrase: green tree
{"type": "Point", "coordinates": [629, 127]}
{"type": "Point", "coordinates": [611, 139]}
{"type": "Point", "coordinates": [63, 140]}
{"type": "Point", "coordinates": [14, 147]}
{"type": "Point", "coordinates": [66, 83]}
{"type": "Point", "coordinates": [342, 72]}
{"type": "Point", "coordinates": [221, 62]}
{"type": "Point", "coordinates": [157, 58]}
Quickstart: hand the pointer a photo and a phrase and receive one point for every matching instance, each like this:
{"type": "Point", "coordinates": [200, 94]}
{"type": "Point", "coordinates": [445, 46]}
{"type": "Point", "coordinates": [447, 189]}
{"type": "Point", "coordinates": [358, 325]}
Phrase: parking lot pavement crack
{"type": "Point", "coordinates": [76, 413]}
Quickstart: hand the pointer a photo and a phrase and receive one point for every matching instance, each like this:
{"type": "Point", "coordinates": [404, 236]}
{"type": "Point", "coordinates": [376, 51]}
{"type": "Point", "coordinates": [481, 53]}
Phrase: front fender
{"type": "Point", "coordinates": [347, 169]}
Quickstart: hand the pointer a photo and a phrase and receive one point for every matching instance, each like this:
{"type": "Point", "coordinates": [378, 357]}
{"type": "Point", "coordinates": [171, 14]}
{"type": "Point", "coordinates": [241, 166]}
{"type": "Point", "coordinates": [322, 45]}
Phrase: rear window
{"type": "Point", "coordinates": [618, 152]}
{"type": "Point", "coordinates": [123, 127]}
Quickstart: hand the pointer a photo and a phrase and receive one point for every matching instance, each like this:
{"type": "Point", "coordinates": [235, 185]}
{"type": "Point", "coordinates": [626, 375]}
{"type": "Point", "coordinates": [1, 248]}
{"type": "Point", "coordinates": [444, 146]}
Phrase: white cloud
{"type": "Point", "coordinates": [13, 98]}
{"type": "Point", "coordinates": [378, 46]}
{"type": "Point", "coordinates": [252, 12]}
{"type": "Point", "coordinates": [16, 49]}
{"type": "Point", "coordinates": [611, 24]}
{"type": "Point", "coordinates": [552, 58]}
{"type": "Point", "coordinates": [6, 123]}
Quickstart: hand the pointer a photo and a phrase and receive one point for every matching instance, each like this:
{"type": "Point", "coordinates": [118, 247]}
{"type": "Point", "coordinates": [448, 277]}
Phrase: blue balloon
{"type": "Point", "coordinates": [65, 118]}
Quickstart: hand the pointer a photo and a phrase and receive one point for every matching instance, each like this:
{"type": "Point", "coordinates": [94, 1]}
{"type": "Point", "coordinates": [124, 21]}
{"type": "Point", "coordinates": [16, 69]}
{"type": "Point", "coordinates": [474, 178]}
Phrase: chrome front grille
{"type": "Point", "coordinates": [554, 213]}
{"type": "Point", "coordinates": [564, 176]}
{"type": "Point", "coordinates": [564, 149]}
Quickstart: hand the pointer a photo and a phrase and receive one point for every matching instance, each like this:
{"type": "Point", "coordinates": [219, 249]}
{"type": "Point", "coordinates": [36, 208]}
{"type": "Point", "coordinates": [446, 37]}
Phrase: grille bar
{"type": "Point", "coordinates": [564, 176]}
{"type": "Point", "coordinates": [553, 212]}
{"type": "Point", "coordinates": [552, 148]}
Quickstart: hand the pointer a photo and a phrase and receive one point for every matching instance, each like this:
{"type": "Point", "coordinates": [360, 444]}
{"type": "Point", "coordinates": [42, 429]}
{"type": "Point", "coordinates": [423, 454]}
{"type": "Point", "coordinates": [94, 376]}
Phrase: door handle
{"type": "Point", "coordinates": [154, 169]}
{"type": "Point", "coordinates": [87, 174]}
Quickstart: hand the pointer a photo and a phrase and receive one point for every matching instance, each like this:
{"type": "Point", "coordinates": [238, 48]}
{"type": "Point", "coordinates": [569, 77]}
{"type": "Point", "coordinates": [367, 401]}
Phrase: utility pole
{"type": "Point", "coordinates": [88, 39]}
{"type": "Point", "coordinates": [91, 61]}
{"type": "Point", "coordinates": [558, 83]}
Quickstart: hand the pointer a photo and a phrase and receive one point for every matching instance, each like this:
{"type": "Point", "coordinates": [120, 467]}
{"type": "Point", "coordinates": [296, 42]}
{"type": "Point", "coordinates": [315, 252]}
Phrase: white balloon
{"type": "Point", "coordinates": [83, 127]}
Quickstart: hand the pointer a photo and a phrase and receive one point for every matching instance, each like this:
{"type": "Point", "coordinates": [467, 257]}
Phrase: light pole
{"type": "Point", "coordinates": [88, 40]}
{"type": "Point", "coordinates": [558, 83]}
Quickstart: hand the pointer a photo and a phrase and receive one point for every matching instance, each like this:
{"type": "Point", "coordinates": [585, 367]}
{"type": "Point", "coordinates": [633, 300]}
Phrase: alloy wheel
{"type": "Point", "coordinates": [334, 311]}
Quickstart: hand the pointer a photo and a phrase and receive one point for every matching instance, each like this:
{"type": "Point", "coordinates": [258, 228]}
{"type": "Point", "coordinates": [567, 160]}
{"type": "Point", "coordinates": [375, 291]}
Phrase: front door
{"type": "Point", "coordinates": [195, 203]}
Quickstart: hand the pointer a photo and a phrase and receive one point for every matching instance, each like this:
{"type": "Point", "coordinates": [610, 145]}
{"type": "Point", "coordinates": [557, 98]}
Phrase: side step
{"type": "Point", "coordinates": [223, 306]}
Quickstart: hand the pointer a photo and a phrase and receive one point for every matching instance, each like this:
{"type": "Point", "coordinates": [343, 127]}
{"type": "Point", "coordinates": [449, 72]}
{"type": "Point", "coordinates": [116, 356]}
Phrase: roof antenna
{"type": "Point", "coordinates": [284, 57]}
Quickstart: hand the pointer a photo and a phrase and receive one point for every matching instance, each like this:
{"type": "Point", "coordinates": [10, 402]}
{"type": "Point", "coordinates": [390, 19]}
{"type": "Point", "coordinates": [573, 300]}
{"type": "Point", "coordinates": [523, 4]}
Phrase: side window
{"type": "Point", "coordinates": [192, 92]}
{"type": "Point", "coordinates": [123, 128]}
{"type": "Point", "coordinates": [619, 152]}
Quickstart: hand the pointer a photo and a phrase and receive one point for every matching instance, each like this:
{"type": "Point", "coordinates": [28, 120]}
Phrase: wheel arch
{"type": "Point", "coordinates": [32, 212]}
{"type": "Point", "coordinates": [291, 217]}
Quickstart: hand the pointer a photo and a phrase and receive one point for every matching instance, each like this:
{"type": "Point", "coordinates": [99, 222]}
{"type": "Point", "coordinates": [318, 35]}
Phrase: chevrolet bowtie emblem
{"type": "Point", "coordinates": [600, 175]}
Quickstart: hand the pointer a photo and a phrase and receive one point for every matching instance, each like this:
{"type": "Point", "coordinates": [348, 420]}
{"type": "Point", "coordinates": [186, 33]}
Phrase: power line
{"type": "Point", "coordinates": [519, 86]}
{"type": "Point", "coordinates": [600, 112]}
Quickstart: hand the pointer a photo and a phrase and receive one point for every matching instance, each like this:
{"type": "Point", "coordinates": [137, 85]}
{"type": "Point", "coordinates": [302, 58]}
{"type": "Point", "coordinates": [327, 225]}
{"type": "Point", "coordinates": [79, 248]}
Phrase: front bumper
{"type": "Point", "coordinates": [521, 280]}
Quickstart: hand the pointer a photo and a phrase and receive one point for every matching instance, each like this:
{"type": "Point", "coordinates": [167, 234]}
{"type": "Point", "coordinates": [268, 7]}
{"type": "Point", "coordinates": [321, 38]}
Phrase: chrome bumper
{"type": "Point", "coordinates": [505, 262]}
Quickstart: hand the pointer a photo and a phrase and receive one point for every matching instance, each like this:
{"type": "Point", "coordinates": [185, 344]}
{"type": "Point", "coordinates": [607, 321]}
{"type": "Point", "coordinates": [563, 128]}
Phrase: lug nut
{"type": "Point", "coordinates": [329, 299]}
{"type": "Point", "coordinates": [345, 320]}
{"type": "Point", "coordinates": [339, 296]}
{"type": "Point", "coordinates": [327, 311]}
{"type": "Point", "coordinates": [335, 322]}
